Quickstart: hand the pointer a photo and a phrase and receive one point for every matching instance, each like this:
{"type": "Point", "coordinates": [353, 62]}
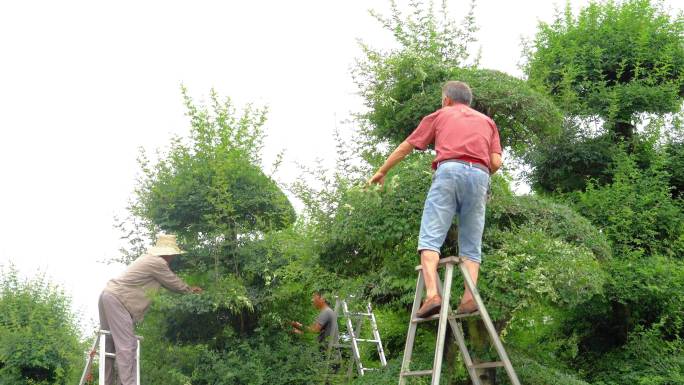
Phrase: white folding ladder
{"type": "Point", "coordinates": [355, 334]}
{"type": "Point", "coordinates": [99, 346]}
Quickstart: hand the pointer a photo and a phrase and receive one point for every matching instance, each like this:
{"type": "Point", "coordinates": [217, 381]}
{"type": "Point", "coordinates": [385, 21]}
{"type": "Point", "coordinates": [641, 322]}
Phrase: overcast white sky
{"type": "Point", "coordinates": [83, 84]}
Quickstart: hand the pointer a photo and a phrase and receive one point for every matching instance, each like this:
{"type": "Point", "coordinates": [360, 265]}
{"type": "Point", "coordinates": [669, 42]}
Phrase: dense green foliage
{"type": "Point", "coordinates": [674, 165]}
{"type": "Point", "coordinates": [613, 60]}
{"type": "Point", "coordinates": [636, 211]}
{"type": "Point", "coordinates": [39, 338]}
{"type": "Point", "coordinates": [403, 85]}
{"type": "Point", "coordinates": [583, 280]}
{"type": "Point", "coordinates": [570, 160]}
{"type": "Point", "coordinates": [610, 68]}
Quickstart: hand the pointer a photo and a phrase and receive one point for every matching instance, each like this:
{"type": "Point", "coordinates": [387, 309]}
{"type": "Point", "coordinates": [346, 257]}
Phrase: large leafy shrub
{"type": "Point", "coordinates": [39, 337]}
{"type": "Point", "coordinates": [636, 211]}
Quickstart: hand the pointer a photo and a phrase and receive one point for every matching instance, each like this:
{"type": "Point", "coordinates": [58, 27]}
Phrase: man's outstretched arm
{"type": "Point", "coordinates": [397, 155]}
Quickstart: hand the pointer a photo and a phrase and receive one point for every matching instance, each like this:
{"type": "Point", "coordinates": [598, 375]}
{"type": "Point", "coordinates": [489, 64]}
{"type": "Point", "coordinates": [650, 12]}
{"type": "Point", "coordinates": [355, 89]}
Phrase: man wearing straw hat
{"type": "Point", "coordinates": [125, 299]}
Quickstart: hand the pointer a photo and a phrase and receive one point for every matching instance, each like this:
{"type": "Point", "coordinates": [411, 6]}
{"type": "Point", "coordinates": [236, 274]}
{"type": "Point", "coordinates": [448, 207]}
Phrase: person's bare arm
{"type": "Point", "coordinates": [397, 155]}
{"type": "Point", "coordinates": [494, 163]}
{"type": "Point", "coordinates": [314, 327]}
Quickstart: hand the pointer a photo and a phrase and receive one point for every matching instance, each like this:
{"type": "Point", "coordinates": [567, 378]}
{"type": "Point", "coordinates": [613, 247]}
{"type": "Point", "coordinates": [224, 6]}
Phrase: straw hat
{"type": "Point", "coordinates": [166, 245]}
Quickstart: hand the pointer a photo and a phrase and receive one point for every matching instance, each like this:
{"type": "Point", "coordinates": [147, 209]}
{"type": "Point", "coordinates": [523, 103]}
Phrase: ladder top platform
{"type": "Point", "coordinates": [446, 261]}
{"type": "Point", "coordinates": [107, 332]}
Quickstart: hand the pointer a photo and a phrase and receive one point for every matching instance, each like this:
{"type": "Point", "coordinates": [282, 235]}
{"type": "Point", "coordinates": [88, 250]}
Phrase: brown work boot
{"type": "Point", "coordinates": [467, 307]}
{"type": "Point", "coordinates": [430, 307]}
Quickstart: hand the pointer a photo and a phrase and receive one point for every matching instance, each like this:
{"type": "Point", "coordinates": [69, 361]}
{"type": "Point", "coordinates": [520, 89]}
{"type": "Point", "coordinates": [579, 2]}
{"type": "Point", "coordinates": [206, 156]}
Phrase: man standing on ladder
{"type": "Point", "coordinates": [325, 324]}
{"type": "Point", "coordinates": [468, 152]}
{"type": "Point", "coordinates": [124, 302]}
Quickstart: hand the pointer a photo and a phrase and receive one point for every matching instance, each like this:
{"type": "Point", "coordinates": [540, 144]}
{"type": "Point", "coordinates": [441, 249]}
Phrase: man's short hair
{"type": "Point", "coordinates": [457, 91]}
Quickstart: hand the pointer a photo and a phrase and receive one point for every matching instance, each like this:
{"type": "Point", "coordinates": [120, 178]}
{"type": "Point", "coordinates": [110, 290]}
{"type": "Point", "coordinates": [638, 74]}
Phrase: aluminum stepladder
{"type": "Point", "coordinates": [355, 333]}
{"type": "Point", "coordinates": [99, 349]}
{"type": "Point", "coordinates": [446, 315]}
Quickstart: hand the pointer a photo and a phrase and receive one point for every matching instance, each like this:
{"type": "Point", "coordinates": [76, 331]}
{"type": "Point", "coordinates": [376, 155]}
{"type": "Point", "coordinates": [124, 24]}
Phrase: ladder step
{"type": "Point", "coordinates": [483, 365]}
{"type": "Point", "coordinates": [110, 355]}
{"type": "Point", "coordinates": [419, 320]}
{"type": "Point", "coordinates": [466, 315]}
{"type": "Point", "coordinates": [417, 373]}
{"type": "Point", "coordinates": [362, 340]}
{"type": "Point", "coordinates": [360, 314]}
{"type": "Point", "coordinates": [107, 333]}
{"type": "Point", "coordinates": [451, 316]}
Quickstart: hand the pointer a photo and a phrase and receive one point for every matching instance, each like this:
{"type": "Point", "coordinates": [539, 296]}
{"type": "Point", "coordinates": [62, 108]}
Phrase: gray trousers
{"type": "Point", "coordinates": [115, 318]}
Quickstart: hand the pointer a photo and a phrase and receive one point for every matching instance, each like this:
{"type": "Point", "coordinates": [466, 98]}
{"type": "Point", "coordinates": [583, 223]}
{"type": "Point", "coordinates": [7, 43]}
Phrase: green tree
{"type": "Point", "coordinates": [675, 166]}
{"type": "Point", "coordinates": [613, 60]}
{"type": "Point", "coordinates": [403, 85]}
{"type": "Point", "coordinates": [39, 337]}
{"type": "Point", "coordinates": [210, 188]}
{"type": "Point", "coordinates": [237, 226]}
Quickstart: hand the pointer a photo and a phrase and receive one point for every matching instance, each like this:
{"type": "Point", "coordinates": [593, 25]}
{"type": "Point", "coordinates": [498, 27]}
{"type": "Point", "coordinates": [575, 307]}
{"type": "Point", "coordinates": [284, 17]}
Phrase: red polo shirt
{"type": "Point", "coordinates": [459, 132]}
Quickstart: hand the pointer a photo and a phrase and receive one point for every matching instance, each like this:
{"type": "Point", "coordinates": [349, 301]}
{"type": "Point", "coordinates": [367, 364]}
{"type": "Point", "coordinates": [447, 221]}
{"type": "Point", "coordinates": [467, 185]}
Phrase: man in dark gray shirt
{"type": "Point", "coordinates": [326, 322]}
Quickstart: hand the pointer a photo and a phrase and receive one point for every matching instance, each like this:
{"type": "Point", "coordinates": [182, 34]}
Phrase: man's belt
{"type": "Point", "coordinates": [471, 164]}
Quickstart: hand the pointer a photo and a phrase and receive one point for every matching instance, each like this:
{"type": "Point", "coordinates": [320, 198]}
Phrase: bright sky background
{"type": "Point", "coordinates": [83, 84]}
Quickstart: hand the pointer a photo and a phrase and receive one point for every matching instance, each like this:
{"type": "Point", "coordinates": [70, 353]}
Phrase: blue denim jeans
{"type": "Point", "coordinates": [457, 189]}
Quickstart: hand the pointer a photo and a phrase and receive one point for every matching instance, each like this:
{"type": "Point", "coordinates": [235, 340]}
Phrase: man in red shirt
{"type": "Point", "coordinates": [468, 152]}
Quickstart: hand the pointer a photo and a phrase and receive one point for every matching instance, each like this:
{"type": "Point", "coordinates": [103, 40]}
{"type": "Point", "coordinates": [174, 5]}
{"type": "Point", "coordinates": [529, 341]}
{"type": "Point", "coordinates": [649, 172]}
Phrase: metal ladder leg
{"type": "Point", "coordinates": [355, 346]}
{"type": "Point", "coordinates": [411, 335]}
{"type": "Point", "coordinates": [493, 334]}
{"type": "Point", "coordinates": [376, 336]}
{"type": "Point", "coordinates": [89, 360]}
{"type": "Point", "coordinates": [441, 331]}
{"type": "Point", "coordinates": [103, 357]}
{"type": "Point", "coordinates": [137, 360]}
{"type": "Point", "coordinates": [357, 334]}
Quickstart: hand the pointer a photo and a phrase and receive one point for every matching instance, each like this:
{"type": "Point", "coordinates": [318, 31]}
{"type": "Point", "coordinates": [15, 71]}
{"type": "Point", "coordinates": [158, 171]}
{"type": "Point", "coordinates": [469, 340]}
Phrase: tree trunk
{"type": "Point", "coordinates": [451, 354]}
{"type": "Point", "coordinates": [624, 130]}
{"type": "Point", "coordinates": [479, 340]}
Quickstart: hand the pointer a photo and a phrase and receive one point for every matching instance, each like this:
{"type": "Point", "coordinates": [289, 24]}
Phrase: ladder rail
{"type": "Point", "coordinates": [443, 320]}
{"type": "Point", "coordinates": [355, 346]}
{"type": "Point", "coordinates": [137, 360]}
{"type": "Point", "coordinates": [460, 341]}
{"type": "Point", "coordinates": [89, 361]}
{"type": "Point", "coordinates": [103, 358]}
{"type": "Point", "coordinates": [376, 335]}
{"type": "Point", "coordinates": [489, 325]}
{"type": "Point", "coordinates": [411, 335]}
